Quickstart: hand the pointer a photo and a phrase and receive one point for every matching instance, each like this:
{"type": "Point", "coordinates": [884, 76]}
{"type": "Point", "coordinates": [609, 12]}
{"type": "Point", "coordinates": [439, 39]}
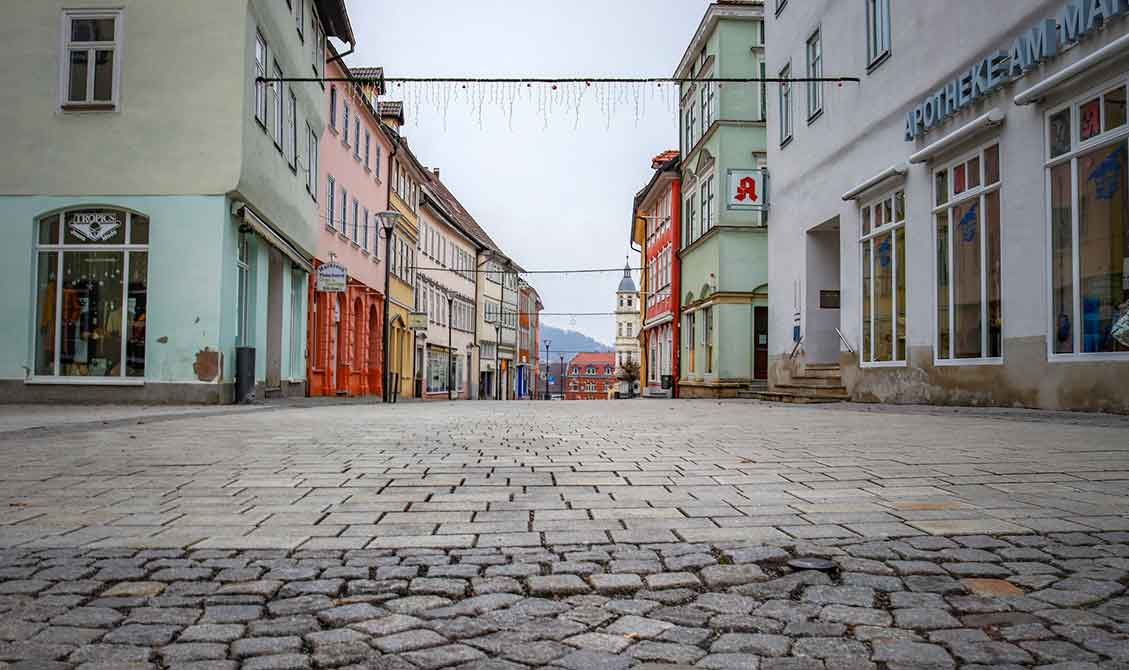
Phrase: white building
{"type": "Point", "coordinates": [954, 228]}
{"type": "Point", "coordinates": [446, 292]}
{"type": "Point", "coordinates": [627, 320]}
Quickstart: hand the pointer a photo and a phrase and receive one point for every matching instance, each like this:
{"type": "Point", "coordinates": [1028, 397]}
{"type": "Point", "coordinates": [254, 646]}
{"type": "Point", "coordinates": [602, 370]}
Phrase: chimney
{"type": "Point", "coordinates": [435, 171]}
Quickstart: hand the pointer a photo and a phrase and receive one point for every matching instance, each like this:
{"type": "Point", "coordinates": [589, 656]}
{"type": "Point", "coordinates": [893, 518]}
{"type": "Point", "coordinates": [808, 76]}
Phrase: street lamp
{"type": "Point", "coordinates": [450, 350]}
{"type": "Point", "coordinates": [497, 359]}
{"type": "Point", "coordinates": [563, 396]}
{"type": "Point", "coordinates": [387, 221]}
{"type": "Point", "coordinates": [547, 343]}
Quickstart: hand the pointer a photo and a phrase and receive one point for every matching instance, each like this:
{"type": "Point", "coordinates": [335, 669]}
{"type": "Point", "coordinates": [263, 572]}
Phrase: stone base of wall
{"type": "Point", "coordinates": [15, 391]}
{"type": "Point", "coordinates": [690, 389]}
{"type": "Point", "coordinates": [1026, 379]}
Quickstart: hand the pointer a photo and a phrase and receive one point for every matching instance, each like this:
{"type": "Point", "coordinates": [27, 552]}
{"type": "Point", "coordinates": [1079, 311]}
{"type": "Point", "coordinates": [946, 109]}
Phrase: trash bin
{"type": "Point", "coordinates": [244, 375]}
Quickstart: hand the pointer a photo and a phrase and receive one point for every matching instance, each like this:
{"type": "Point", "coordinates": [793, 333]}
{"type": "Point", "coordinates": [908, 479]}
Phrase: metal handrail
{"type": "Point", "coordinates": [844, 341]}
{"type": "Point", "coordinates": [796, 348]}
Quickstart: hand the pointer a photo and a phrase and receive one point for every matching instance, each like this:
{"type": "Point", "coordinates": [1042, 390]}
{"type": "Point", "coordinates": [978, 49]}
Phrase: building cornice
{"type": "Point", "coordinates": [714, 14]}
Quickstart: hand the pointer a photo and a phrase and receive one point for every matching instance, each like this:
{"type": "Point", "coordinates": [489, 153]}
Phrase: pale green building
{"type": "Point", "coordinates": [723, 234]}
{"type": "Point", "coordinates": [159, 204]}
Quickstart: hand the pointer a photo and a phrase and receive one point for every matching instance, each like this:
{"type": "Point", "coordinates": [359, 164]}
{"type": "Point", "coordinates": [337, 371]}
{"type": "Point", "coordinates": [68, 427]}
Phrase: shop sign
{"type": "Point", "coordinates": [1042, 42]}
{"type": "Point", "coordinates": [331, 278]}
{"type": "Point", "coordinates": [94, 226]}
{"type": "Point", "coordinates": [417, 321]}
{"type": "Point", "coordinates": [746, 190]}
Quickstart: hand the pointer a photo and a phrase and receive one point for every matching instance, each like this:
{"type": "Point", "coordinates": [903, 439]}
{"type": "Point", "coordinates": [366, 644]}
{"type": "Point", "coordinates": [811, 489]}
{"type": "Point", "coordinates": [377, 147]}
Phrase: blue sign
{"type": "Point", "coordinates": [552, 379]}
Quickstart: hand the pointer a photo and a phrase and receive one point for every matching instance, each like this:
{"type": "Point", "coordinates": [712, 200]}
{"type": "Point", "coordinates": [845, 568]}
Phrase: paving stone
{"type": "Point", "coordinates": [912, 654]}
{"type": "Point", "coordinates": [265, 646]}
{"type": "Point", "coordinates": [408, 641]}
{"type": "Point", "coordinates": [538, 653]}
{"type": "Point", "coordinates": [921, 618]}
{"type": "Point", "coordinates": [556, 585]}
{"type": "Point", "coordinates": [839, 595]}
{"type": "Point", "coordinates": [828, 648]}
{"type": "Point", "coordinates": [636, 627]}
{"type": "Point", "coordinates": [991, 653]}
{"type": "Point", "coordinates": [672, 580]}
{"type": "Point", "coordinates": [440, 657]}
{"type": "Point", "coordinates": [587, 659]}
{"type": "Point", "coordinates": [667, 652]}
{"type": "Point", "coordinates": [280, 662]}
{"type": "Point", "coordinates": [142, 635]}
{"type": "Point", "coordinates": [616, 583]}
{"type": "Point", "coordinates": [347, 614]}
{"type": "Point", "coordinates": [192, 651]}
{"type": "Point", "coordinates": [758, 644]}
{"type": "Point", "coordinates": [212, 633]}
{"type": "Point", "coordinates": [719, 576]}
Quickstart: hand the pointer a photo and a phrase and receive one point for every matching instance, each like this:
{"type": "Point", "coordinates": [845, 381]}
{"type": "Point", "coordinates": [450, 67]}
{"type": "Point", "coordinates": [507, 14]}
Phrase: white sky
{"type": "Point", "coordinates": [552, 198]}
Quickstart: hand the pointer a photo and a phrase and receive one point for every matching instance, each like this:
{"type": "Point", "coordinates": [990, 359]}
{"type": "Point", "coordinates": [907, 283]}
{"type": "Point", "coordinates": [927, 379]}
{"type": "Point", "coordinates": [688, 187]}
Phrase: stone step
{"type": "Point", "coordinates": [832, 392]}
{"type": "Point", "coordinates": [817, 382]}
{"type": "Point", "coordinates": [825, 370]}
{"type": "Point", "coordinates": [794, 398]}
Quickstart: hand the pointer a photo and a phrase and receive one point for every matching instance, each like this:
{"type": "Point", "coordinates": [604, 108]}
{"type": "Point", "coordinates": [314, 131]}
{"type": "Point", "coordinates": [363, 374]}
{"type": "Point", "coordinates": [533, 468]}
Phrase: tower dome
{"type": "Point", "coordinates": [627, 284]}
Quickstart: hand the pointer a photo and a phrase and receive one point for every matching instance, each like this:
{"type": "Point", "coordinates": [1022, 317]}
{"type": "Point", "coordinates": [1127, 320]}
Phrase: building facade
{"type": "Point", "coordinates": [529, 334]}
{"type": "Point", "coordinates": [346, 327]}
{"type": "Point", "coordinates": [404, 357]}
{"type": "Point", "coordinates": [656, 231]}
{"type": "Point", "coordinates": [445, 291]}
{"type": "Point", "coordinates": [724, 240]}
{"type": "Point", "coordinates": [216, 199]}
{"type": "Point", "coordinates": [627, 319]}
{"type": "Point", "coordinates": [954, 229]}
{"type": "Point", "coordinates": [591, 376]}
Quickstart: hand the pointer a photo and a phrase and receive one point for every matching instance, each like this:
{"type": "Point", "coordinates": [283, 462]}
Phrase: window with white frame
{"type": "Point", "coordinates": [785, 105]}
{"type": "Point", "coordinates": [292, 129]}
{"type": "Point", "coordinates": [967, 236]}
{"type": "Point", "coordinates": [1088, 170]}
{"type": "Point", "coordinates": [91, 68]}
{"type": "Point", "coordinates": [877, 30]}
{"type": "Point", "coordinates": [690, 123]}
{"type": "Point", "coordinates": [261, 108]}
{"type": "Point", "coordinates": [300, 18]}
{"type": "Point", "coordinates": [815, 71]}
{"type": "Point", "coordinates": [688, 233]}
{"type": "Point", "coordinates": [706, 193]}
{"type": "Point", "coordinates": [330, 199]}
{"type": "Point", "coordinates": [333, 108]}
{"type": "Point", "coordinates": [356, 221]}
{"type": "Point", "coordinates": [376, 167]}
{"type": "Point", "coordinates": [365, 231]}
{"type": "Point", "coordinates": [368, 148]}
{"type": "Point", "coordinates": [345, 123]}
{"type": "Point", "coordinates": [312, 167]}
{"type": "Point", "coordinates": [883, 246]}
{"type": "Point", "coordinates": [278, 101]}
{"type": "Point", "coordinates": [357, 136]}
{"type": "Point", "coordinates": [344, 223]}
{"type": "Point", "coordinates": [764, 91]}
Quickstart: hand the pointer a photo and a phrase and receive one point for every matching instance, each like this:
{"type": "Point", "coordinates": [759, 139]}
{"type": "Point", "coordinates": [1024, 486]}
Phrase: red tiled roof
{"type": "Point", "coordinates": [663, 158]}
{"type": "Point", "coordinates": [594, 358]}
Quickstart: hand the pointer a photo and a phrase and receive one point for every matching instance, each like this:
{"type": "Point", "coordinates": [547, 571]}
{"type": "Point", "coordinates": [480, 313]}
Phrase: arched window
{"type": "Point", "coordinates": [92, 278]}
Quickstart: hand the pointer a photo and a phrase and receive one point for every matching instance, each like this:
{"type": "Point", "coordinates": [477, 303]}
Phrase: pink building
{"type": "Point", "coordinates": [346, 356]}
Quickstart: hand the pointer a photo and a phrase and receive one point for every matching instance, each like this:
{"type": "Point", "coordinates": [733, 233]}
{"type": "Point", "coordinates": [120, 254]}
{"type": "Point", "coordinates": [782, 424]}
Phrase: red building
{"type": "Point", "coordinates": [591, 376]}
{"type": "Point", "coordinates": [656, 231]}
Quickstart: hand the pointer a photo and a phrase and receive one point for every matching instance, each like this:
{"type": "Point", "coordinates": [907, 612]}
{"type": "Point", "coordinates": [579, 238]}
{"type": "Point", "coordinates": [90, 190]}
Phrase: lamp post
{"type": "Point", "coordinates": [387, 219]}
{"type": "Point", "coordinates": [563, 396]}
{"type": "Point", "coordinates": [497, 359]}
{"type": "Point", "coordinates": [450, 350]}
{"type": "Point", "coordinates": [547, 343]}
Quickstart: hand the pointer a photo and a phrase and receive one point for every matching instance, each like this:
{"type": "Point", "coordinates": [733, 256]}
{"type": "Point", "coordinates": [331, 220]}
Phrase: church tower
{"type": "Point", "coordinates": [627, 323]}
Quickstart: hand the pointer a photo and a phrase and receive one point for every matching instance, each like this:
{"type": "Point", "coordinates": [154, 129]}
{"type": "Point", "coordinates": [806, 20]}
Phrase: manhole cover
{"type": "Point", "coordinates": [821, 564]}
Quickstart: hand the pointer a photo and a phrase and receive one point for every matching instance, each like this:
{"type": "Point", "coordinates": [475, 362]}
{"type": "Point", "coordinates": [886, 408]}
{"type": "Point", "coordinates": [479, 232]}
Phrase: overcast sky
{"type": "Point", "coordinates": [552, 198]}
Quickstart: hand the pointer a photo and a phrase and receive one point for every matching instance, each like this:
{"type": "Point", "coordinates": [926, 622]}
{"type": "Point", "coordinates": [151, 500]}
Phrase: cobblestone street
{"type": "Point", "coordinates": [567, 535]}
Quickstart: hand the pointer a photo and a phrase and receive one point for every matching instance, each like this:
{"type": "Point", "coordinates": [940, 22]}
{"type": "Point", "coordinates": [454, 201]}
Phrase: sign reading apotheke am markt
{"type": "Point", "coordinates": [1042, 42]}
{"type": "Point", "coordinates": [331, 278]}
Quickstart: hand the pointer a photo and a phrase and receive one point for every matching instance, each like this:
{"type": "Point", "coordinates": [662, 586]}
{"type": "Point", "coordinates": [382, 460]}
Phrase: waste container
{"type": "Point", "coordinates": [244, 375]}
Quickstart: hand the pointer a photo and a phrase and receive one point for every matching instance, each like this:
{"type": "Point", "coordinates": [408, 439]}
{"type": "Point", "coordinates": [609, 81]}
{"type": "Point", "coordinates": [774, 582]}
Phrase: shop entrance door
{"type": "Point", "coordinates": [274, 321]}
{"type": "Point", "coordinates": [821, 293]}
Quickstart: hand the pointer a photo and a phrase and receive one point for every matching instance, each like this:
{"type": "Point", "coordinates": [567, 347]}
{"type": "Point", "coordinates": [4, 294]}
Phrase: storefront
{"type": "Point", "coordinates": [981, 241]}
{"type": "Point", "coordinates": [346, 331]}
{"type": "Point", "coordinates": [119, 300]}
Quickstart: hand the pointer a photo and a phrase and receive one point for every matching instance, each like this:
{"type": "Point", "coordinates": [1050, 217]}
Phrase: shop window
{"type": "Point", "coordinates": [967, 236]}
{"type": "Point", "coordinates": [438, 364]}
{"type": "Point", "coordinates": [883, 248]}
{"type": "Point", "coordinates": [92, 268]}
{"type": "Point", "coordinates": [297, 317]}
{"type": "Point", "coordinates": [1088, 169]}
{"type": "Point", "coordinates": [91, 71]}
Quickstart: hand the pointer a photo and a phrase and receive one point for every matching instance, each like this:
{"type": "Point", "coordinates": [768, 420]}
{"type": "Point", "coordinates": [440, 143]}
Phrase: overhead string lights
{"type": "Point", "coordinates": [550, 96]}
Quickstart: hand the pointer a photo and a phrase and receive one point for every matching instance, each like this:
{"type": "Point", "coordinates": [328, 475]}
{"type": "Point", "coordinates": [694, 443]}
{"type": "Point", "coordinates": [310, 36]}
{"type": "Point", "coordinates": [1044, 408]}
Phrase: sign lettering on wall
{"type": "Point", "coordinates": [417, 321]}
{"type": "Point", "coordinates": [745, 189]}
{"type": "Point", "coordinates": [331, 278]}
{"type": "Point", "coordinates": [1042, 42]}
{"type": "Point", "coordinates": [94, 226]}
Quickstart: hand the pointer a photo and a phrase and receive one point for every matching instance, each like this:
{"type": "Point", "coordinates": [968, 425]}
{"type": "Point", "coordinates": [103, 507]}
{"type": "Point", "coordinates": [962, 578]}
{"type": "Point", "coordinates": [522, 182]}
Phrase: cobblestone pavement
{"type": "Point", "coordinates": [569, 535]}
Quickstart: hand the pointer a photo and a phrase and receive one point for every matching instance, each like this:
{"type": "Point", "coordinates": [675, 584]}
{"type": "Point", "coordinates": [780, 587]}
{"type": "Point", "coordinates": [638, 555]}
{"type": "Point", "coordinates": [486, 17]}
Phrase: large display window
{"type": "Point", "coordinates": [1088, 176]}
{"type": "Point", "coordinates": [883, 257]}
{"type": "Point", "coordinates": [92, 270]}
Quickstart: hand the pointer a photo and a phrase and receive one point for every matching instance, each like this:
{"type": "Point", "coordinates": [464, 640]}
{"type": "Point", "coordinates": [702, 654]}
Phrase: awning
{"type": "Point", "coordinates": [895, 170]}
{"type": "Point", "coordinates": [666, 318]}
{"type": "Point", "coordinates": [267, 232]}
{"type": "Point", "coordinates": [992, 118]}
{"type": "Point", "coordinates": [1036, 92]}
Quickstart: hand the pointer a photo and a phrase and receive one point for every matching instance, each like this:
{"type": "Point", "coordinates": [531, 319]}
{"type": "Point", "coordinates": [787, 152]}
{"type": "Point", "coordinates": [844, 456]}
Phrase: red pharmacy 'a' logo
{"type": "Point", "coordinates": [747, 189]}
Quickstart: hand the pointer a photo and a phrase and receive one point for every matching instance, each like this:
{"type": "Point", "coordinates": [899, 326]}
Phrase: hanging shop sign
{"type": "Point", "coordinates": [1045, 40]}
{"type": "Point", "coordinates": [331, 278]}
{"type": "Point", "coordinates": [94, 226]}
{"type": "Point", "coordinates": [746, 189]}
{"type": "Point", "coordinates": [417, 321]}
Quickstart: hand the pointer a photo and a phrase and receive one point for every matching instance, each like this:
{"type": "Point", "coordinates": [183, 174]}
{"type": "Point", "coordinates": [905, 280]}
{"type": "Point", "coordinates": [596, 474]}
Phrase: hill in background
{"type": "Point", "coordinates": [568, 341]}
